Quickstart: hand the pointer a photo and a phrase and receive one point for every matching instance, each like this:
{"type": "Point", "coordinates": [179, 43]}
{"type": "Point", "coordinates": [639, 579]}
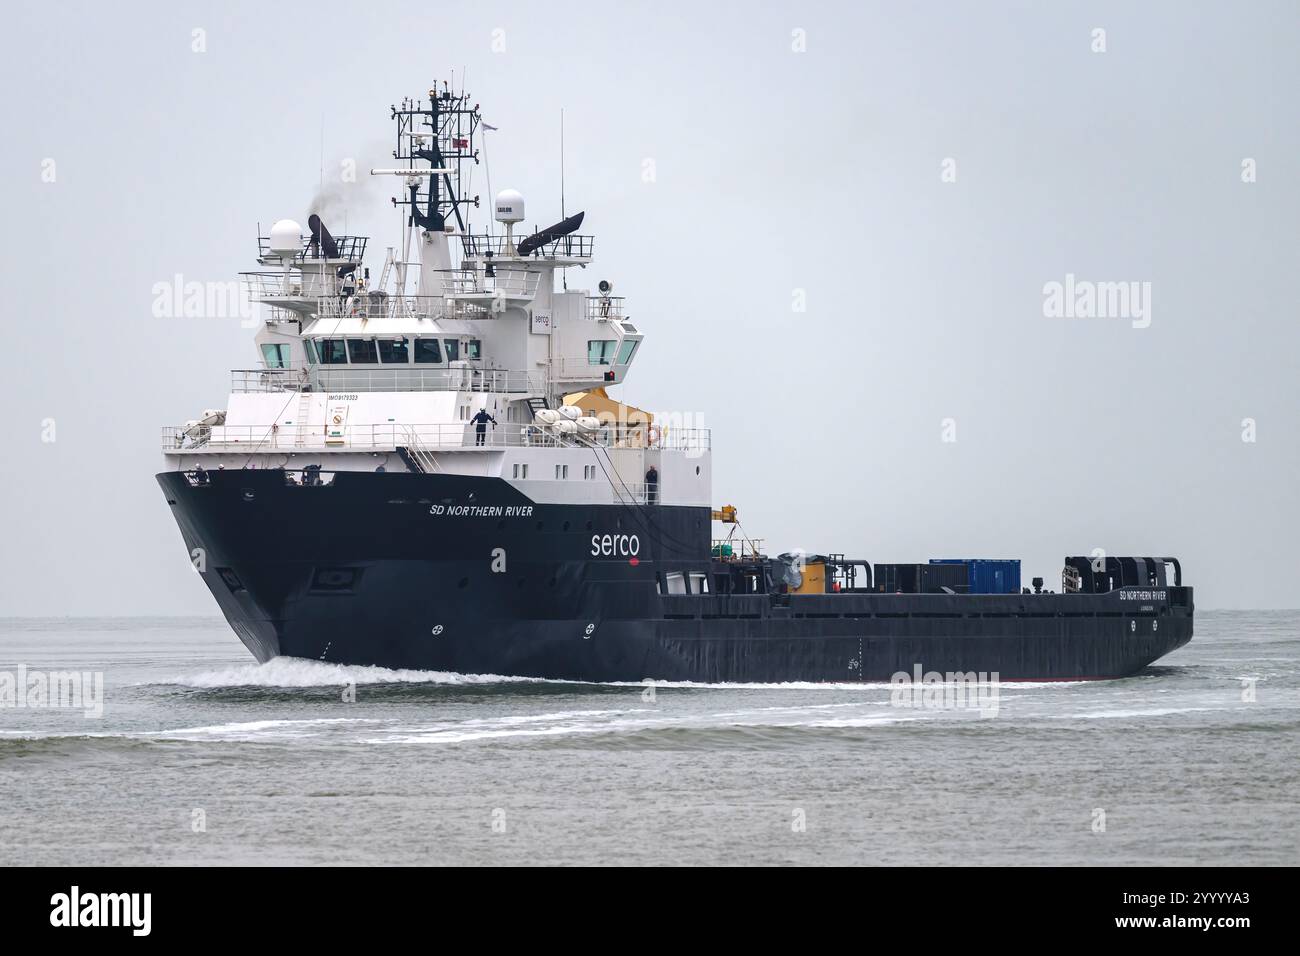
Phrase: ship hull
{"type": "Point", "coordinates": [466, 574]}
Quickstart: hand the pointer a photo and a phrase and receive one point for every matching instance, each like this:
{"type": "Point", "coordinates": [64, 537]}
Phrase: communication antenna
{"type": "Point", "coordinates": [564, 273]}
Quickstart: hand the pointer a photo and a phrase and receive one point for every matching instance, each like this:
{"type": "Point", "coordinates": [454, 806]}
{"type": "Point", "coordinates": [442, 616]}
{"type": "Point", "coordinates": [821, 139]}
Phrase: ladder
{"type": "Point", "coordinates": [300, 420]}
{"type": "Point", "coordinates": [383, 276]}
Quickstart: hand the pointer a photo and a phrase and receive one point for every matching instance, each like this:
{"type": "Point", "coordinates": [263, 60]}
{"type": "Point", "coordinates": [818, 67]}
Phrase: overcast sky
{"type": "Point", "coordinates": [915, 174]}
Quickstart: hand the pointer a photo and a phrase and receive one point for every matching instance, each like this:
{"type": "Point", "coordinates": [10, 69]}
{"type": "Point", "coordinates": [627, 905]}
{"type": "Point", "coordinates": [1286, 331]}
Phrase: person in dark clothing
{"type": "Point", "coordinates": [200, 475]}
{"type": "Point", "coordinates": [651, 486]}
{"type": "Point", "coordinates": [346, 289]}
{"type": "Point", "coordinates": [311, 476]}
{"type": "Point", "coordinates": [480, 426]}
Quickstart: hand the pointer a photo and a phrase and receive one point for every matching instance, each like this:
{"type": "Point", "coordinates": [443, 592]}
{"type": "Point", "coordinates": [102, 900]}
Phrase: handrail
{"type": "Point", "coordinates": [389, 435]}
{"type": "Point", "coordinates": [565, 247]}
{"type": "Point", "coordinates": [604, 307]}
{"type": "Point", "coordinates": [326, 294]}
{"type": "Point", "coordinates": [387, 378]}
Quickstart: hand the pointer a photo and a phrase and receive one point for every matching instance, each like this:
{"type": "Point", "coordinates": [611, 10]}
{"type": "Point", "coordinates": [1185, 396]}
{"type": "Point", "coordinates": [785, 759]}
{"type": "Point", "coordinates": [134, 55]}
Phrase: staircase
{"type": "Point", "coordinates": [417, 458]}
{"type": "Point", "coordinates": [535, 404]}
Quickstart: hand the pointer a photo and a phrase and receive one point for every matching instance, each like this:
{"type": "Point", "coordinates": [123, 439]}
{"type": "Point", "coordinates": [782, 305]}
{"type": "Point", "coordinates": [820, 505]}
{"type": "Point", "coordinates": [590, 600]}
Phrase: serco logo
{"type": "Point", "coordinates": [609, 545]}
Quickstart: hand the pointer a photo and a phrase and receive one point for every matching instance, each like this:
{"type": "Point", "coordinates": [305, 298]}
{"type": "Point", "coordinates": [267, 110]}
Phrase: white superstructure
{"type": "Point", "coordinates": [400, 370]}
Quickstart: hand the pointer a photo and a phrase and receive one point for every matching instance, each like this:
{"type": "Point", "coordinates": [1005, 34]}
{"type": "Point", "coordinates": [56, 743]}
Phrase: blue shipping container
{"type": "Point", "coordinates": [988, 575]}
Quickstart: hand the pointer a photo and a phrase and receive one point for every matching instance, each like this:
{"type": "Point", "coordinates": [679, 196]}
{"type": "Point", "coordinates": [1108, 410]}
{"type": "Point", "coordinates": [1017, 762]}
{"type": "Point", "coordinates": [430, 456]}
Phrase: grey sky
{"type": "Point", "coordinates": [774, 170]}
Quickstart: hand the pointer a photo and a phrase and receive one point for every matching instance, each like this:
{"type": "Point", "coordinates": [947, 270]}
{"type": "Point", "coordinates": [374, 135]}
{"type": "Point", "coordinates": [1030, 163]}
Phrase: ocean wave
{"type": "Point", "coordinates": [298, 672]}
{"type": "Point", "coordinates": [255, 727]}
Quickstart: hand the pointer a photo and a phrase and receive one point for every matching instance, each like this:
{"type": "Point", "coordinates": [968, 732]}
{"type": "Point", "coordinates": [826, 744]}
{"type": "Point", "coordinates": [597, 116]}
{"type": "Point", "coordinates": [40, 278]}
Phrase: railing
{"type": "Point", "coordinates": [377, 305]}
{"type": "Point", "coordinates": [390, 435]}
{"type": "Point", "coordinates": [580, 370]}
{"type": "Point", "coordinates": [352, 248]}
{"type": "Point", "coordinates": [322, 296]}
{"type": "Point", "coordinates": [737, 548]}
{"type": "Point", "coordinates": [602, 307]}
{"type": "Point", "coordinates": [309, 477]}
{"type": "Point", "coordinates": [287, 285]}
{"type": "Point", "coordinates": [391, 378]}
{"type": "Point", "coordinates": [509, 283]}
{"type": "Point", "coordinates": [566, 247]}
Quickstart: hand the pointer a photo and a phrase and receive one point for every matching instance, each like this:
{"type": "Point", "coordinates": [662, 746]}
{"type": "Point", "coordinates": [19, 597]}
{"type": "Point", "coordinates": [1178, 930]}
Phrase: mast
{"type": "Point", "coordinates": [441, 134]}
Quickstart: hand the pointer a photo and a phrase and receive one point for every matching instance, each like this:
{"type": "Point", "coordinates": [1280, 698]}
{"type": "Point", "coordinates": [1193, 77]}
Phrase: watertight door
{"type": "Point", "coordinates": [336, 425]}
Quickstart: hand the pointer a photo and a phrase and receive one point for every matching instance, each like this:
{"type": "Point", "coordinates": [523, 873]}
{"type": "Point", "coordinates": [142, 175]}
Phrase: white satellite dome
{"type": "Point", "coordinates": [286, 238]}
{"type": "Point", "coordinates": [510, 206]}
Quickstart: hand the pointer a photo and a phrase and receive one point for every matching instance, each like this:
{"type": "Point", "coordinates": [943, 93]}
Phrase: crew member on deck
{"type": "Point", "coordinates": [480, 426]}
{"type": "Point", "coordinates": [651, 486]}
{"type": "Point", "coordinates": [349, 287]}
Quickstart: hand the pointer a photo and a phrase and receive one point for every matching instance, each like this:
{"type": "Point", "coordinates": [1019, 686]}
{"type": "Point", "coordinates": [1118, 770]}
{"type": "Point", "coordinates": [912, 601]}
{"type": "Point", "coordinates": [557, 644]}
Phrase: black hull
{"type": "Point", "coordinates": [406, 571]}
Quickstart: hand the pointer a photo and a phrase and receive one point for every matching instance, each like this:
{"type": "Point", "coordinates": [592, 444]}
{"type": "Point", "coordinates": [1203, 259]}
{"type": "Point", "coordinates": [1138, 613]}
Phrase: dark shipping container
{"type": "Point", "coordinates": [988, 575]}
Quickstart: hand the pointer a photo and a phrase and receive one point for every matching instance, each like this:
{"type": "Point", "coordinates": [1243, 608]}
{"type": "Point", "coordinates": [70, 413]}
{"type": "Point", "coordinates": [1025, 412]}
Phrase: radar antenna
{"type": "Point", "coordinates": [439, 131]}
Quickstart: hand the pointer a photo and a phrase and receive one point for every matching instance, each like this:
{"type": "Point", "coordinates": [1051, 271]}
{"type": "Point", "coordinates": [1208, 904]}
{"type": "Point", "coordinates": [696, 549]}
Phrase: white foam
{"type": "Point", "coordinates": [256, 726]}
{"type": "Point", "coordinates": [464, 736]}
{"type": "Point", "coordinates": [298, 672]}
{"type": "Point", "coordinates": [841, 722]}
{"type": "Point", "coordinates": [1121, 714]}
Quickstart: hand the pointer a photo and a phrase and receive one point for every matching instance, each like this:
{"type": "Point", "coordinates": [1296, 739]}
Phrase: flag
{"type": "Point", "coordinates": [488, 126]}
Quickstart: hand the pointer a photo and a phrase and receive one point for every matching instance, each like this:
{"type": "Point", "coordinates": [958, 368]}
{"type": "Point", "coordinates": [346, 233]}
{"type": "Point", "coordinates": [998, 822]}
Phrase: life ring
{"type": "Point", "coordinates": [338, 419]}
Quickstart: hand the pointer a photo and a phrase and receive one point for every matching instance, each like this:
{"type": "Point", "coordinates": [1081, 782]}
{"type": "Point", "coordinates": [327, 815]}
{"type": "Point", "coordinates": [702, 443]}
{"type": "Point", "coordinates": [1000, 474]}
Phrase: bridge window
{"type": "Point", "coordinates": [362, 351]}
{"type": "Point", "coordinates": [600, 351]}
{"type": "Point", "coordinates": [275, 356]}
{"type": "Point", "coordinates": [427, 351]}
{"type": "Point", "coordinates": [627, 351]}
{"type": "Point", "coordinates": [394, 351]}
{"type": "Point", "coordinates": [453, 349]}
{"type": "Point", "coordinates": [474, 351]}
{"type": "Point", "coordinates": [333, 352]}
{"type": "Point", "coordinates": [312, 357]}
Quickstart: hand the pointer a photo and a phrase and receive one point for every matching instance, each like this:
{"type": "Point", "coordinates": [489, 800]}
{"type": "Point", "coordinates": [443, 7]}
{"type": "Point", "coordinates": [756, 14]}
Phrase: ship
{"type": "Point", "coordinates": [428, 469]}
